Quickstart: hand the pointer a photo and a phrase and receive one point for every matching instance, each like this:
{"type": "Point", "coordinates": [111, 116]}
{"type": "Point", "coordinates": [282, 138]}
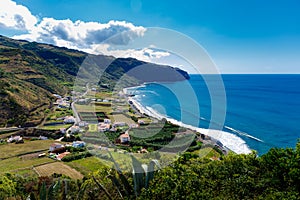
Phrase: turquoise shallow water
{"type": "Point", "coordinates": [264, 110]}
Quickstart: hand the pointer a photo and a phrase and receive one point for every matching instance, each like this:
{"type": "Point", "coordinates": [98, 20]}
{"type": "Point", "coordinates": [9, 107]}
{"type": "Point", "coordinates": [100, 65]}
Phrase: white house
{"type": "Point", "coordinates": [63, 130]}
{"type": "Point", "coordinates": [107, 121]}
{"type": "Point", "coordinates": [133, 125]}
{"type": "Point", "coordinates": [69, 120]}
{"type": "Point", "coordinates": [141, 121]}
{"type": "Point", "coordinates": [119, 124]}
{"type": "Point", "coordinates": [103, 127]}
{"type": "Point", "coordinates": [55, 146]}
{"type": "Point", "coordinates": [74, 129]}
{"type": "Point", "coordinates": [124, 138]}
{"type": "Point", "coordinates": [43, 138]}
{"type": "Point", "coordinates": [16, 139]}
{"type": "Point", "coordinates": [78, 144]}
{"type": "Point", "coordinates": [82, 124]}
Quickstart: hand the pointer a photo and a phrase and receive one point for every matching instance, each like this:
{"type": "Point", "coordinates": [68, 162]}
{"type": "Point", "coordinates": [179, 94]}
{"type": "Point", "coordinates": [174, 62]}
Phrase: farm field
{"type": "Point", "coordinates": [122, 118]}
{"type": "Point", "coordinates": [87, 165]}
{"type": "Point", "coordinates": [55, 127]}
{"type": "Point", "coordinates": [94, 108]}
{"type": "Point", "coordinates": [207, 152]}
{"type": "Point", "coordinates": [93, 128]}
{"type": "Point", "coordinates": [59, 168]}
{"type": "Point", "coordinates": [18, 164]}
{"type": "Point", "coordinates": [11, 150]}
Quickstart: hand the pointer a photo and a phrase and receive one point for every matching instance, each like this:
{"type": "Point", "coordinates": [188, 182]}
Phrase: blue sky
{"type": "Point", "coordinates": [240, 36]}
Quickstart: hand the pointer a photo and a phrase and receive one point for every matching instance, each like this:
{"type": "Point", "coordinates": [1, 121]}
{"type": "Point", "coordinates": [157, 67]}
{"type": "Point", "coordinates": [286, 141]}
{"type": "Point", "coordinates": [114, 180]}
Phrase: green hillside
{"type": "Point", "coordinates": [30, 72]}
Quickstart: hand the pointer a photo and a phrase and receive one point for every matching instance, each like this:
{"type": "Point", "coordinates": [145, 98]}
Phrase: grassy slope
{"type": "Point", "coordinates": [29, 73]}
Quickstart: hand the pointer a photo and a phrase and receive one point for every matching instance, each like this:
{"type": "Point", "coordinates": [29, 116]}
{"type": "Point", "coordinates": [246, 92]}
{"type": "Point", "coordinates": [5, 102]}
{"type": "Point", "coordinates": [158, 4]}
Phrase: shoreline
{"type": "Point", "coordinates": [229, 140]}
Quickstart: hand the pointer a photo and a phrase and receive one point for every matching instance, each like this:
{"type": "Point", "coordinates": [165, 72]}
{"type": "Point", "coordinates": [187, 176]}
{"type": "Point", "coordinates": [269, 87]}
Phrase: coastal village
{"type": "Point", "coordinates": [92, 123]}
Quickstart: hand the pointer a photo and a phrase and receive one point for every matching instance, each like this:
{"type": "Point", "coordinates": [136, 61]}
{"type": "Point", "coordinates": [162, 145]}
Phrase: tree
{"type": "Point", "coordinates": [7, 187]}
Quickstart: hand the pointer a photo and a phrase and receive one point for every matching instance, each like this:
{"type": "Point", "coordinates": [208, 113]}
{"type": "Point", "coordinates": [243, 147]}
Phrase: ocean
{"type": "Point", "coordinates": [262, 110]}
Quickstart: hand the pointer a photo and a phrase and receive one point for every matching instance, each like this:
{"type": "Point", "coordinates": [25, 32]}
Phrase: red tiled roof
{"type": "Point", "coordinates": [124, 135]}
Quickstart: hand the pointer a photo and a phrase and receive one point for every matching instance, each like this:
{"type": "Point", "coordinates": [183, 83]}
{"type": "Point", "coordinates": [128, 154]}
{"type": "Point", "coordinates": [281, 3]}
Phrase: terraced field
{"type": "Point", "coordinates": [59, 168]}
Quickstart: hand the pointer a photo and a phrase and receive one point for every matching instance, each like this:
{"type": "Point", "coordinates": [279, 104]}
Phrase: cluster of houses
{"type": "Point", "coordinates": [58, 150]}
{"type": "Point", "coordinates": [19, 139]}
{"type": "Point", "coordinates": [106, 125]}
{"type": "Point", "coordinates": [62, 102]}
{"type": "Point", "coordinates": [15, 139]}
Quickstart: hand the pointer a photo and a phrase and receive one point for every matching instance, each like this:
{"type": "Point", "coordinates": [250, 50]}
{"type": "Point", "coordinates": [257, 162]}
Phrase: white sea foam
{"type": "Point", "coordinates": [231, 141]}
{"type": "Point", "coordinates": [243, 133]}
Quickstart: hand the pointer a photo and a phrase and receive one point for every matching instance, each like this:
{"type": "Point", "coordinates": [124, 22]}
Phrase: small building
{"type": "Point", "coordinates": [141, 121]}
{"type": "Point", "coordinates": [119, 124]}
{"type": "Point", "coordinates": [107, 121]}
{"type": "Point", "coordinates": [63, 130]}
{"type": "Point", "coordinates": [16, 139]}
{"type": "Point", "coordinates": [69, 120]}
{"type": "Point", "coordinates": [124, 138]}
{"type": "Point", "coordinates": [43, 138]}
{"type": "Point", "coordinates": [82, 124]}
{"type": "Point", "coordinates": [55, 146]}
{"type": "Point", "coordinates": [62, 155]}
{"type": "Point", "coordinates": [113, 129]}
{"type": "Point", "coordinates": [133, 125]}
{"type": "Point", "coordinates": [57, 96]}
{"type": "Point", "coordinates": [143, 151]}
{"type": "Point", "coordinates": [103, 127]}
{"type": "Point", "coordinates": [78, 144]}
{"type": "Point", "coordinates": [75, 129]}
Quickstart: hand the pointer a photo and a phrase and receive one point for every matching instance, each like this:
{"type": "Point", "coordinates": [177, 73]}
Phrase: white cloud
{"type": "Point", "coordinates": [146, 54]}
{"type": "Point", "coordinates": [83, 34]}
{"type": "Point", "coordinates": [15, 16]}
{"type": "Point", "coordinates": [91, 37]}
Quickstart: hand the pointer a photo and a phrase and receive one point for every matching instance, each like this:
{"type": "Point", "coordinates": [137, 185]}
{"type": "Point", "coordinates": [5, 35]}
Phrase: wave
{"type": "Point", "coordinates": [243, 133]}
{"type": "Point", "coordinates": [229, 140]}
{"type": "Point", "coordinates": [226, 127]}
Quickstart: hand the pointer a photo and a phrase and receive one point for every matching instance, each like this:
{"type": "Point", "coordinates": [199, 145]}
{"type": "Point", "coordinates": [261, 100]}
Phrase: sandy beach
{"type": "Point", "coordinates": [229, 140]}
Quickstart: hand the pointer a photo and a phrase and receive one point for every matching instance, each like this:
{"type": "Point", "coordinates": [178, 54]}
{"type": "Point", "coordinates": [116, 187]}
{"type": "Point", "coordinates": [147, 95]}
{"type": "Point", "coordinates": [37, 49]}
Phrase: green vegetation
{"type": "Point", "coordinates": [13, 150]}
{"type": "Point", "coordinates": [93, 128]}
{"type": "Point", "coordinates": [55, 127]}
{"type": "Point", "coordinates": [57, 168]}
{"type": "Point", "coordinates": [76, 156]}
{"type": "Point", "coordinates": [86, 165]}
{"type": "Point", "coordinates": [275, 175]}
{"type": "Point", "coordinates": [30, 72]}
{"type": "Point", "coordinates": [16, 164]}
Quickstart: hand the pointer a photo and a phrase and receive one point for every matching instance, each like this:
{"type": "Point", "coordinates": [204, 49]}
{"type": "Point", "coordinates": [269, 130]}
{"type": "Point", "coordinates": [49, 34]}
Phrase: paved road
{"type": "Point", "coordinates": [77, 118]}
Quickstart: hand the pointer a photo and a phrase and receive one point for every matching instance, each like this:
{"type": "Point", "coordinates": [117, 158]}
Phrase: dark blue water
{"type": "Point", "coordinates": [264, 106]}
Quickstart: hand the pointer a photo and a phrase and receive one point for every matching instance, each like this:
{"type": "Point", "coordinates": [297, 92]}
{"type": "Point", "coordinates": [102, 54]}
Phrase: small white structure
{"type": "Point", "coordinates": [75, 129]}
{"type": "Point", "coordinates": [69, 120]}
{"type": "Point", "coordinates": [78, 144]}
{"type": "Point", "coordinates": [55, 146]}
{"type": "Point", "coordinates": [57, 96]}
{"type": "Point", "coordinates": [63, 130]}
{"type": "Point", "coordinates": [107, 121]}
{"type": "Point", "coordinates": [119, 124]}
{"type": "Point", "coordinates": [133, 125]}
{"type": "Point", "coordinates": [16, 139]}
{"type": "Point", "coordinates": [43, 138]}
{"type": "Point", "coordinates": [124, 138]}
{"type": "Point", "coordinates": [141, 121]}
{"type": "Point", "coordinates": [103, 127]}
{"type": "Point", "coordinates": [82, 124]}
